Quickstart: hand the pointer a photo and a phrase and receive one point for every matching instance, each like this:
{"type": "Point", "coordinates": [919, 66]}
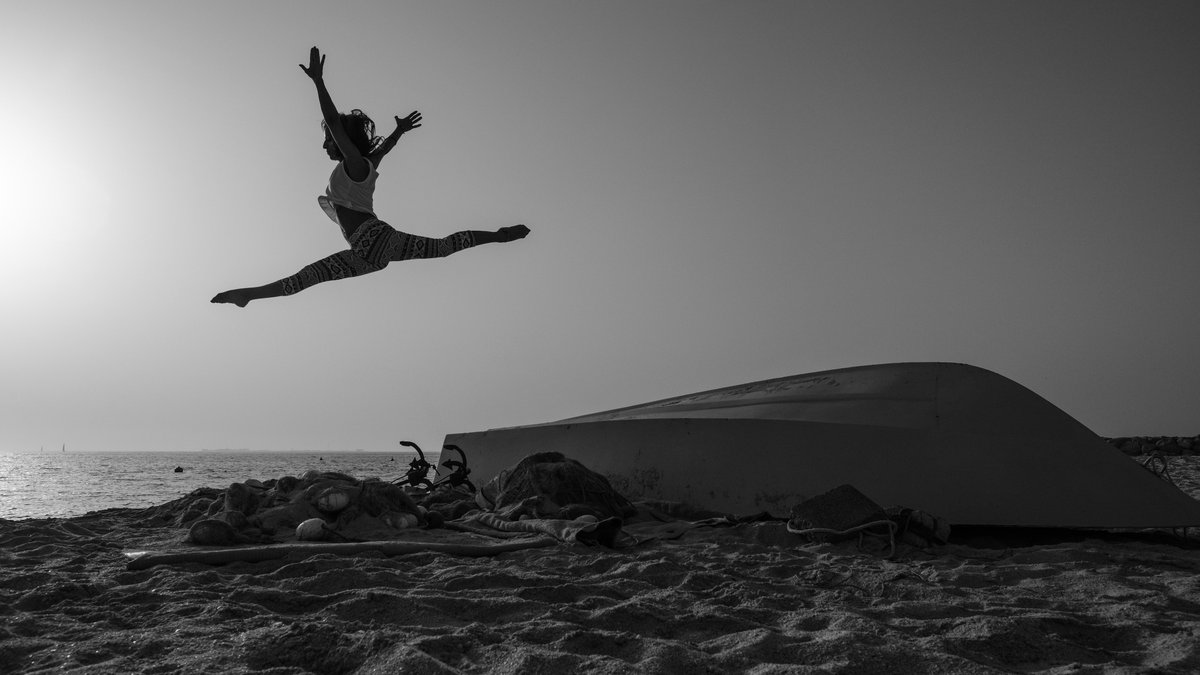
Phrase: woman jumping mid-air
{"type": "Point", "coordinates": [350, 140]}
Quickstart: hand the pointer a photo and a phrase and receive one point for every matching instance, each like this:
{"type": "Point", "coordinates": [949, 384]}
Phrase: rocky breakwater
{"type": "Point", "coordinates": [1163, 445]}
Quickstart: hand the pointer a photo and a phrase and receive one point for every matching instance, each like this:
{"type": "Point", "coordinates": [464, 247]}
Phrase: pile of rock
{"type": "Point", "coordinates": [1164, 445]}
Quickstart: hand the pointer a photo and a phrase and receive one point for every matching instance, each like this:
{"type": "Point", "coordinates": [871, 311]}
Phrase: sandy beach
{"type": "Point", "coordinates": [745, 598]}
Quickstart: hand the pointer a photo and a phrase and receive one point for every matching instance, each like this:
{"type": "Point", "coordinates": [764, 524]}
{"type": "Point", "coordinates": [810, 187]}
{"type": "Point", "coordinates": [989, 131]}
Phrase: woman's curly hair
{"type": "Point", "coordinates": [361, 130]}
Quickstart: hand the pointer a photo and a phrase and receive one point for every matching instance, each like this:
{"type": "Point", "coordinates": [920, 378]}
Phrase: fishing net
{"type": "Point", "coordinates": [561, 484]}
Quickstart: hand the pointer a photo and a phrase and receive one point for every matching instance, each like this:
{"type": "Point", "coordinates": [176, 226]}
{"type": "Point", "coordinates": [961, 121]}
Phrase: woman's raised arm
{"type": "Point", "coordinates": [403, 126]}
{"type": "Point", "coordinates": [329, 112]}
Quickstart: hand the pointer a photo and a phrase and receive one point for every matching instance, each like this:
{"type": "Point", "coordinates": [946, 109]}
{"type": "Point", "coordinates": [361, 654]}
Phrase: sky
{"type": "Point", "coordinates": [718, 193]}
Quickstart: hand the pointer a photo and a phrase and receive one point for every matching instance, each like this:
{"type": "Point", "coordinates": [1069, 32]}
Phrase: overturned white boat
{"type": "Point", "coordinates": [955, 440]}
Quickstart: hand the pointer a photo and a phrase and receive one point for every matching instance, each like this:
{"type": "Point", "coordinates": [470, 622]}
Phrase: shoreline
{"type": "Point", "coordinates": [1173, 446]}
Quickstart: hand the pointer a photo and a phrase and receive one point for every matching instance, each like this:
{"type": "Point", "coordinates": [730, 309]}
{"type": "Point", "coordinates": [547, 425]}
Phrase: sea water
{"type": "Point", "coordinates": [65, 484]}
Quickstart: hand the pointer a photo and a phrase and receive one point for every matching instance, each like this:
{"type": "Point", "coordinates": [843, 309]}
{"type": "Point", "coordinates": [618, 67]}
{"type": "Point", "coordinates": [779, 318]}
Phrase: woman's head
{"type": "Point", "coordinates": [359, 128]}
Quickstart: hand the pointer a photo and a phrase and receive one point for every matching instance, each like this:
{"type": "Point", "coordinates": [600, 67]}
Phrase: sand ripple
{"type": "Point", "coordinates": [749, 599]}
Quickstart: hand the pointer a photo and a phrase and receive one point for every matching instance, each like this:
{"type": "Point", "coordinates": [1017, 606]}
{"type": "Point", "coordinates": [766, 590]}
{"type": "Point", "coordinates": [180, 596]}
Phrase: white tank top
{"type": "Point", "coordinates": [344, 192]}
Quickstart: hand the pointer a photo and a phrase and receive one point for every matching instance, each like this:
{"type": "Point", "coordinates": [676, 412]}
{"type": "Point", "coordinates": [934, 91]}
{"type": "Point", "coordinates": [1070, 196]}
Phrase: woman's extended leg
{"type": "Point", "coordinates": [374, 245]}
{"type": "Point", "coordinates": [397, 246]}
{"type": "Point", "coordinates": [242, 296]}
{"type": "Point", "coordinates": [504, 234]}
{"type": "Point", "coordinates": [340, 265]}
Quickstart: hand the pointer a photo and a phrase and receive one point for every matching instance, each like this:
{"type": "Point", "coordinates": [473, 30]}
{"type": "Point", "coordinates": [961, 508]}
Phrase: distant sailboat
{"type": "Point", "coordinates": [64, 447]}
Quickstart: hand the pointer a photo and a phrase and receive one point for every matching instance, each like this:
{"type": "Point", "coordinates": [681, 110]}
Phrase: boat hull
{"type": "Point", "coordinates": [957, 441]}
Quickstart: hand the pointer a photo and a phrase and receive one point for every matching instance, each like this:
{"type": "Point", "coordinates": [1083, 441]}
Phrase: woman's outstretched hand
{"type": "Point", "coordinates": [409, 123]}
{"type": "Point", "coordinates": [316, 64]}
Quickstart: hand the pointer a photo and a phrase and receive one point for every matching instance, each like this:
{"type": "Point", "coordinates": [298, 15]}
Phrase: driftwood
{"type": "Point", "coordinates": [140, 560]}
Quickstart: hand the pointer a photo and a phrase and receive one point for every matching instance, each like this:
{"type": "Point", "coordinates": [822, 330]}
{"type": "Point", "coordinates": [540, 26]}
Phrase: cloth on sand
{"type": "Point", "coordinates": [604, 532]}
{"type": "Point", "coordinates": [649, 524]}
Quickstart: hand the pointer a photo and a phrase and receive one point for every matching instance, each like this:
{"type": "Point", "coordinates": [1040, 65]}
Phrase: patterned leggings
{"type": "Point", "coordinates": [372, 246]}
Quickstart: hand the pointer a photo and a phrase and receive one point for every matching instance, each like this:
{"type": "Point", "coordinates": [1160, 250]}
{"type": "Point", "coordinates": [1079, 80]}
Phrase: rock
{"type": "Point", "coordinates": [283, 517]}
{"type": "Point", "coordinates": [236, 519]}
{"type": "Point", "coordinates": [1168, 447]}
{"type": "Point", "coordinates": [312, 529]}
{"type": "Point", "coordinates": [400, 521]}
{"type": "Point", "coordinates": [240, 498]}
{"type": "Point", "coordinates": [333, 500]}
{"type": "Point", "coordinates": [190, 515]}
{"type": "Point", "coordinates": [211, 532]}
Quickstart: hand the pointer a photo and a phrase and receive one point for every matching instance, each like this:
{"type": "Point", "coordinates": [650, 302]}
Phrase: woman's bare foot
{"type": "Point", "coordinates": [238, 297]}
{"type": "Point", "coordinates": [513, 232]}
